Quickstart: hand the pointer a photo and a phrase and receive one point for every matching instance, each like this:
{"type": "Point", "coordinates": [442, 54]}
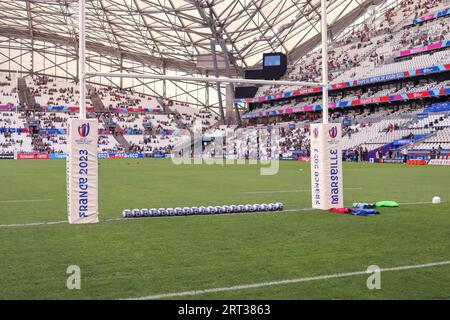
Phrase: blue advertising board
{"type": "Point", "coordinates": [120, 155]}
{"type": "Point", "coordinates": [158, 155]}
{"type": "Point", "coordinates": [438, 107]}
{"type": "Point", "coordinates": [57, 156]}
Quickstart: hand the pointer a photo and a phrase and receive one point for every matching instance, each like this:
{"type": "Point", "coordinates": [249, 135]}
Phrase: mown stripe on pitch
{"type": "Point", "coordinates": [284, 282]}
{"type": "Point", "coordinates": [34, 224]}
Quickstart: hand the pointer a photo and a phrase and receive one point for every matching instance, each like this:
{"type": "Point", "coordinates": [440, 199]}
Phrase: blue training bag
{"type": "Point", "coordinates": [363, 212]}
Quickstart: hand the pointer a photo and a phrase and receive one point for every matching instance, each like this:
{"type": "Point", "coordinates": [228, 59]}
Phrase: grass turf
{"type": "Point", "coordinates": [122, 259]}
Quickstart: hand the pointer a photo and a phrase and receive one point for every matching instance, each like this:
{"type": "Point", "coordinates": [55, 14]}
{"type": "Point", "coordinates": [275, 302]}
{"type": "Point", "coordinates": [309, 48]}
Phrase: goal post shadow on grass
{"type": "Point", "coordinates": [82, 162]}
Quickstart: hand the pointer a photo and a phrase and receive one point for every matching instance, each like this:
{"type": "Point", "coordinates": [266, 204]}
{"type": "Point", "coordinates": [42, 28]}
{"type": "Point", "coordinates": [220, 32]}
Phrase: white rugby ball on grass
{"type": "Point", "coordinates": [436, 200]}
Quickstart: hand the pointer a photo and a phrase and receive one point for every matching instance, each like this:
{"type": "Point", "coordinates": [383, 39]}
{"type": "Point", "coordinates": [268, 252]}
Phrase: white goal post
{"type": "Point", "coordinates": [326, 167]}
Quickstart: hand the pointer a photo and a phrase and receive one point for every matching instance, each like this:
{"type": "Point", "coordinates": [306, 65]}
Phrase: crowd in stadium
{"type": "Point", "coordinates": [370, 45]}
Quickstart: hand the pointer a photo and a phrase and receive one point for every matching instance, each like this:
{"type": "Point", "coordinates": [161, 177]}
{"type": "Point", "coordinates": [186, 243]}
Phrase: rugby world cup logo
{"type": "Point", "coordinates": [83, 130]}
{"type": "Point", "coordinates": [333, 132]}
{"type": "Point", "coordinates": [316, 132]}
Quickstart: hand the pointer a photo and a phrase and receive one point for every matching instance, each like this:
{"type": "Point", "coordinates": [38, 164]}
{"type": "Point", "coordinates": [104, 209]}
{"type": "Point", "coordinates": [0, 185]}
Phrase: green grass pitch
{"type": "Point", "coordinates": [133, 258]}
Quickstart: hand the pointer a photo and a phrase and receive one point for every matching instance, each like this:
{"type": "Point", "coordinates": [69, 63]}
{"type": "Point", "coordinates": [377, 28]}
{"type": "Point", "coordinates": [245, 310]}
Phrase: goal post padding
{"type": "Point", "coordinates": [326, 166]}
{"type": "Point", "coordinates": [82, 171]}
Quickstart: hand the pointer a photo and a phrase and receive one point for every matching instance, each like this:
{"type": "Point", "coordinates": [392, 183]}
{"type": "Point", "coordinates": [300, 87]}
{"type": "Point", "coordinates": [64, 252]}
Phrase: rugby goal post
{"type": "Point", "coordinates": [326, 143]}
{"type": "Point", "coordinates": [82, 185]}
{"type": "Point", "coordinates": [82, 160]}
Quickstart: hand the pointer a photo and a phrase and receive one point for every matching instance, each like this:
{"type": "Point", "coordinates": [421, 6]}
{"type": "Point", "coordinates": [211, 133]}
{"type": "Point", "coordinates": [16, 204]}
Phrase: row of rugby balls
{"type": "Point", "coordinates": [186, 211]}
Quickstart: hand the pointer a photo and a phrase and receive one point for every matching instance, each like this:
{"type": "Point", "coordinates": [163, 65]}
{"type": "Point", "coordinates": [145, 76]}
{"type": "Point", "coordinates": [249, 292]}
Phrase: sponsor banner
{"type": "Point", "coordinates": [159, 155]}
{"type": "Point", "coordinates": [382, 78]}
{"type": "Point", "coordinates": [137, 110]}
{"type": "Point", "coordinates": [33, 122]}
{"type": "Point", "coordinates": [14, 130]}
{"type": "Point", "coordinates": [6, 107]}
{"type": "Point", "coordinates": [430, 47]}
{"type": "Point", "coordinates": [134, 156]}
{"type": "Point", "coordinates": [57, 156]}
{"type": "Point", "coordinates": [118, 110]}
{"type": "Point", "coordinates": [416, 162]}
{"type": "Point", "coordinates": [116, 156]}
{"type": "Point", "coordinates": [63, 108]}
{"type": "Point", "coordinates": [354, 83]}
{"type": "Point", "coordinates": [121, 155]}
{"type": "Point", "coordinates": [6, 156]}
{"type": "Point", "coordinates": [288, 157]}
{"type": "Point", "coordinates": [440, 162]}
{"type": "Point", "coordinates": [370, 100]}
{"type": "Point", "coordinates": [326, 166]}
{"type": "Point", "coordinates": [421, 116]}
{"type": "Point", "coordinates": [54, 131]}
{"type": "Point", "coordinates": [431, 16]}
{"type": "Point", "coordinates": [56, 108]}
{"type": "Point", "coordinates": [64, 156]}
{"type": "Point", "coordinates": [82, 171]}
{"type": "Point", "coordinates": [103, 155]}
{"type": "Point", "coordinates": [394, 161]}
{"type": "Point", "coordinates": [438, 107]}
{"type": "Point", "coordinates": [402, 141]}
{"type": "Point", "coordinates": [32, 156]}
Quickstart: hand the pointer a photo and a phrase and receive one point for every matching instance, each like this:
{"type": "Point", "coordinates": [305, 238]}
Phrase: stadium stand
{"type": "Point", "coordinates": [370, 51]}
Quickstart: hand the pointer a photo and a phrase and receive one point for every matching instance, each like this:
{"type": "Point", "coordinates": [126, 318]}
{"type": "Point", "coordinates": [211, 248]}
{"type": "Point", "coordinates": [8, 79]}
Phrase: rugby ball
{"type": "Point", "coordinates": [212, 209]}
{"type": "Point", "coordinates": [136, 213]}
{"type": "Point", "coordinates": [144, 213]}
{"type": "Point", "coordinates": [126, 213]}
{"type": "Point", "coordinates": [194, 210]}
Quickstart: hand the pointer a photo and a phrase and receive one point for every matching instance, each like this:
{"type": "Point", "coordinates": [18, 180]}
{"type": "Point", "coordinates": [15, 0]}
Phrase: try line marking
{"type": "Point", "coordinates": [29, 200]}
{"type": "Point", "coordinates": [34, 224]}
{"type": "Point", "coordinates": [283, 282]}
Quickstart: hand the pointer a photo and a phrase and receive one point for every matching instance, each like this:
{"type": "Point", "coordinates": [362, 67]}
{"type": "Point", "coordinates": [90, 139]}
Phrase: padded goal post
{"type": "Point", "coordinates": [326, 166]}
{"type": "Point", "coordinates": [82, 171]}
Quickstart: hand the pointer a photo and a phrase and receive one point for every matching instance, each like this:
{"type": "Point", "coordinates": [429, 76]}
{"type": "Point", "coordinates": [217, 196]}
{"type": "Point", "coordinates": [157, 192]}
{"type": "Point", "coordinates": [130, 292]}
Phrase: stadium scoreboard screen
{"type": "Point", "coordinates": [274, 65]}
{"type": "Point", "coordinates": [272, 61]}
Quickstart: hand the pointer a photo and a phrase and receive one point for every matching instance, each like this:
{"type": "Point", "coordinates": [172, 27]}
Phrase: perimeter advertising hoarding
{"type": "Point", "coordinates": [439, 162]}
{"type": "Point", "coordinates": [32, 156]}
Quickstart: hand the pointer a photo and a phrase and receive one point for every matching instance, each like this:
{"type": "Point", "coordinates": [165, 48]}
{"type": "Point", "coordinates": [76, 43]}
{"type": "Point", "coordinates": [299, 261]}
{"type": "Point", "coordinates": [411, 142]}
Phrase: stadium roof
{"type": "Point", "coordinates": [174, 32]}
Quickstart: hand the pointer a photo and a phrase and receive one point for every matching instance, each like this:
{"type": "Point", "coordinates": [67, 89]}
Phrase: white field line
{"type": "Point", "coordinates": [34, 224]}
{"type": "Point", "coordinates": [414, 203]}
{"type": "Point", "coordinates": [284, 282]}
{"type": "Point", "coordinates": [25, 200]}
{"type": "Point", "coordinates": [287, 191]}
